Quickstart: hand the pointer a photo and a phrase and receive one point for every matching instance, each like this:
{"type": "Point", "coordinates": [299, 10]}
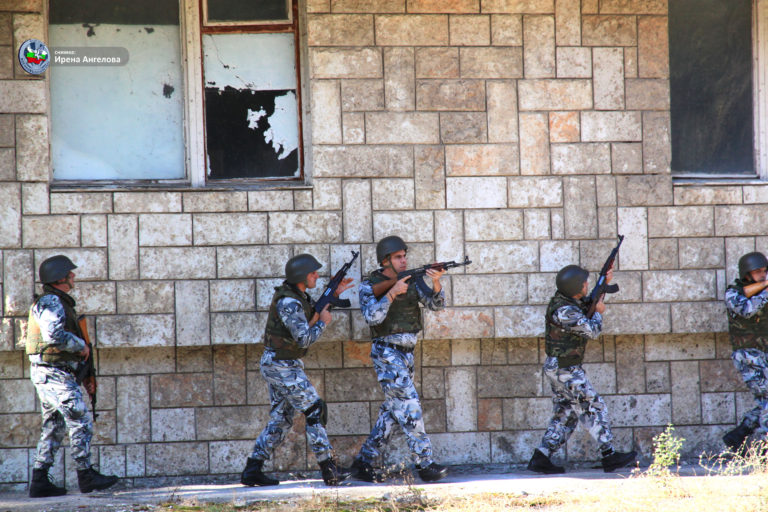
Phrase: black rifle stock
{"type": "Point", "coordinates": [328, 296]}
{"type": "Point", "coordinates": [602, 287]}
{"type": "Point", "coordinates": [417, 275]}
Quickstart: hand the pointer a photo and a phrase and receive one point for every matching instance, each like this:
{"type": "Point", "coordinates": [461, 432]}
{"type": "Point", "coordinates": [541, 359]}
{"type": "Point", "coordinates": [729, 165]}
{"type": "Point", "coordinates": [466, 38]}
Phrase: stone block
{"type": "Point", "coordinates": [755, 194]}
{"type": "Point", "coordinates": [229, 375]}
{"type": "Point", "coordinates": [702, 253]}
{"type": "Point", "coordinates": [657, 377]}
{"type": "Point", "coordinates": [8, 162]}
{"type": "Point", "coordinates": [81, 203]}
{"type": "Point", "coordinates": [630, 371]}
{"type": "Point", "coordinates": [22, 97]}
{"type": "Point", "coordinates": [165, 229]}
{"type": "Point", "coordinates": [519, 321]}
{"type": "Point", "coordinates": [719, 375]}
{"type": "Point", "coordinates": [657, 142]}
{"type": "Point", "coordinates": [493, 225]}
{"type": "Point", "coordinates": [581, 158]}
{"type": "Point", "coordinates": [699, 317]}
{"type": "Point", "coordinates": [192, 313]}
{"type": "Point", "coordinates": [212, 201]}
{"type": "Point", "coordinates": [634, 6]}
{"type": "Point", "coordinates": [580, 209]}
{"type": "Point", "coordinates": [674, 347]}
{"type": "Point", "coordinates": [564, 127]}
{"type": "Point", "coordinates": [20, 430]}
{"type": "Point", "coordinates": [147, 202]}
{"type": "Point", "coordinates": [717, 408]}
{"type": "Point", "coordinates": [539, 46]}
{"type": "Point", "coordinates": [437, 62]}
{"type": "Point", "coordinates": [679, 285]}
{"type": "Point", "coordinates": [574, 62]}
{"type": "Point", "coordinates": [463, 127]}
{"type": "Point", "coordinates": [123, 236]}
{"type": "Point", "coordinates": [353, 127]}
{"type": "Point", "coordinates": [647, 94]}
{"type": "Point", "coordinates": [450, 95]}
{"type": "Point", "coordinates": [339, 30]}
{"type": "Point", "coordinates": [502, 111]}
{"type": "Point", "coordinates": [491, 62]}
{"type": "Point", "coordinates": [168, 459]}
{"type": "Point", "coordinates": [429, 178]}
{"type": "Point", "coordinates": [8, 136]}
{"type": "Point", "coordinates": [449, 236]}
{"type": "Point", "coordinates": [503, 257]}
{"type": "Point", "coordinates": [363, 161]}
{"type": "Point", "coordinates": [607, 222]}
{"type": "Point", "coordinates": [685, 384]}
{"type": "Point", "coordinates": [200, 262]}
{"type": "Point", "coordinates": [509, 381]}
{"type": "Point", "coordinates": [689, 196]}
{"type": "Point", "coordinates": [611, 126]}
{"type": "Point", "coordinates": [483, 159]}
{"type": "Point", "coordinates": [10, 229]}
{"type": "Point", "coordinates": [476, 192]}
{"type": "Point", "coordinates": [13, 465]}
{"type": "Point", "coordinates": [513, 447]}
{"type": "Point", "coordinates": [637, 319]}
{"type": "Point", "coordinates": [182, 390]}
{"type": "Point", "coordinates": [602, 376]}
{"type": "Point", "coordinates": [95, 298]}
{"type": "Point", "coordinates": [534, 144]}
{"type": "Point", "coordinates": [469, 30]}
{"type": "Point", "coordinates": [133, 418]}
{"type": "Point", "coordinates": [608, 72]}
{"type": "Point", "coordinates": [93, 230]}
{"type": "Point", "coordinates": [488, 290]}
{"type": "Point", "coordinates": [358, 220]}
{"type": "Point", "coordinates": [326, 112]}
{"type": "Point", "coordinates": [633, 224]}
{"type": "Point", "coordinates": [567, 22]}
{"type": "Point", "coordinates": [556, 254]}
{"type": "Point", "coordinates": [270, 200]}
{"type": "Point", "coordinates": [536, 225]}
{"type": "Point", "coordinates": [606, 191]}
{"type": "Point", "coordinates": [465, 352]}
{"type": "Point", "coordinates": [519, 6]}
{"type": "Point", "coordinates": [135, 460]}
{"type": "Point", "coordinates": [436, 353]}
{"type": "Point", "coordinates": [626, 158]}
{"type": "Point", "coordinates": [348, 419]}
{"type": "Point", "coordinates": [36, 231]}
{"type": "Point", "coordinates": [462, 448]}
{"type": "Point", "coordinates": [327, 194]}
{"type": "Point", "coordinates": [411, 226]}
{"type": "Point", "coordinates": [131, 361]}
{"type": "Point", "coordinates": [230, 328]}
{"type": "Point", "coordinates": [373, 6]}
{"type": "Point", "coordinates": [411, 30]}
{"type": "Point", "coordinates": [639, 410]}
{"type": "Point", "coordinates": [458, 323]}
{"type": "Point", "coordinates": [460, 399]}
{"type": "Point", "coordinates": [448, 6]}
{"type": "Point", "coordinates": [173, 425]}
{"type": "Point", "coordinates": [653, 46]}
{"type": "Point", "coordinates": [229, 228]}
{"type": "Point", "coordinates": [345, 62]}
{"type": "Point", "coordinates": [740, 220]}
{"type": "Point", "coordinates": [538, 192]}
{"type": "Point", "coordinates": [288, 227]}
{"type": "Point", "coordinates": [644, 190]}
{"type": "Point", "coordinates": [362, 95]}
{"type": "Point", "coordinates": [352, 384]}
{"type": "Point", "coordinates": [17, 395]}
{"type": "Point", "coordinates": [233, 295]}
{"type": "Point", "coordinates": [631, 286]}
{"type": "Point", "coordinates": [144, 297]}
{"type": "Point", "coordinates": [399, 78]}
{"type": "Point", "coordinates": [489, 414]}
{"type": "Point", "coordinates": [135, 331]}
{"type": "Point", "coordinates": [683, 221]}
{"type": "Point", "coordinates": [19, 282]}
{"type": "Point", "coordinates": [560, 94]}
{"type": "Point", "coordinates": [402, 127]}
{"type": "Point", "coordinates": [609, 30]}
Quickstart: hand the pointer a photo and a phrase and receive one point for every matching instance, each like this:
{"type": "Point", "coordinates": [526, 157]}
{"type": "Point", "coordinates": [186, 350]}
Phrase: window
{"type": "Point", "coordinates": [229, 114]}
{"type": "Point", "coordinates": [711, 76]}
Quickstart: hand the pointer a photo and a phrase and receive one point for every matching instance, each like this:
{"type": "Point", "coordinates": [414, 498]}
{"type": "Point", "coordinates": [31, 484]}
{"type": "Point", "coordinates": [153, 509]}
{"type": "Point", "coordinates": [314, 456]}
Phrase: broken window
{"type": "Point", "coordinates": [117, 122]}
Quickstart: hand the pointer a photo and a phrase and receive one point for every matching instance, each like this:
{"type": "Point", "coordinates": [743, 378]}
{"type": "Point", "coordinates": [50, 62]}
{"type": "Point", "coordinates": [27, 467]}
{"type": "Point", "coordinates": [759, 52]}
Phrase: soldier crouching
{"type": "Point", "coordinates": [745, 302]}
{"type": "Point", "coordinates": [567, 331]}
{"type": "Point", "coordinates": [292, 326]}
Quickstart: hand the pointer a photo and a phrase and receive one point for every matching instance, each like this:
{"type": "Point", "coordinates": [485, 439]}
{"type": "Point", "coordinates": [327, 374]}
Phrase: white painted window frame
{"type": "Point", "coordinates": [760, 85]}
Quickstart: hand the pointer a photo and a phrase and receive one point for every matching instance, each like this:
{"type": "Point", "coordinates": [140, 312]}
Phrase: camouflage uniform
{"type": "Point", "coordinates": [289, 387]}
{"type": "Point", "coordinates": [749, 337]}
{"type": "Point", "coordinates": [53, 343]}
{"type": "Point", "coordinates": [394, 371]}
{"type": "Point", "coordinates": [574, 399]}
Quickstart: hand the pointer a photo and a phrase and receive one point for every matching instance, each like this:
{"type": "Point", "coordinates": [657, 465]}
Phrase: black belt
{"type": "Point", "coordinates": [404, 350]}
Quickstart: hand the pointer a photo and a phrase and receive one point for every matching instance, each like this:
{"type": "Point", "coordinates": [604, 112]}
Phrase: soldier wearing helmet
{"type": "Point", "coordinates": [292, 326]}
{"type": "Point", "coordinates": [55, 346]}
{"type": "Point", "coordinates": [745, 303]}
{"type": "Point", "coordinates": [395, 320]}
{"type": "Point", "coordinates": [567, 331]}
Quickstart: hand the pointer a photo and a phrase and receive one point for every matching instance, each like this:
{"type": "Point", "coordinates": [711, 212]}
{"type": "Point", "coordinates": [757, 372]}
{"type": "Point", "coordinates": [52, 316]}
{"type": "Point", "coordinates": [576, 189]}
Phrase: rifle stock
{"type": "Point", "coordinates": [86, 373]}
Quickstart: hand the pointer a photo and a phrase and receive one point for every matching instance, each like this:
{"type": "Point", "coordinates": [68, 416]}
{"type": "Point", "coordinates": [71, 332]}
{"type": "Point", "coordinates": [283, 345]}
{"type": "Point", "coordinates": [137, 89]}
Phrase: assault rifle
{"type": "Point", "coordinates": [602, 287]}
{"type": "Point", "coordinates": [86, 371]}
{"type": "Point", "coordinates": [328, 296]}
{"type": "Point", "coordinates": [379, 289]}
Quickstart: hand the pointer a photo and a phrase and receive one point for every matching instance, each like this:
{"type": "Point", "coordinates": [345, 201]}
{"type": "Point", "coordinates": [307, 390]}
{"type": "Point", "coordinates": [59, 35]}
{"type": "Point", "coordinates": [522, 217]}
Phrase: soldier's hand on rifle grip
{"type": "Point", "coordinates": [600, 307]}
{"type": "Point", "coordinates": [344, 285]}
{"type": "Point", "coordinates": [86, 352]}
{"type": "Point", "coordinates": [608, 277]}
{"type": "Point", "coordinates": [398, 288]}
{"type": "Point", "coordinates": [325, 315]}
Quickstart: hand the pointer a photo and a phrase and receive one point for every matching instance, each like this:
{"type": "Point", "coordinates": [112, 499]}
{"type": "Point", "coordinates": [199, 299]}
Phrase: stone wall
{"type": "Point", "coordinates": [525, 134]}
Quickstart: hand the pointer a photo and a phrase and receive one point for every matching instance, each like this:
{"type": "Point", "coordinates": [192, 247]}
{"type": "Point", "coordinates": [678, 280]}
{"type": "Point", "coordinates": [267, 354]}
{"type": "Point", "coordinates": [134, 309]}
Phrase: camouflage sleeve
{"type": "Point", "coordinates": [374, 311]}
{"type": "Point", "coordinates": [739, 305]}
{"type": "Point", "coordinates": [51, 318]}
{"type": "Point", "coordinates": [434, 302]}
{"type": "Point", "coordinates": [292, 315]}
{"type": "Point", "coordinates": [572, 319]}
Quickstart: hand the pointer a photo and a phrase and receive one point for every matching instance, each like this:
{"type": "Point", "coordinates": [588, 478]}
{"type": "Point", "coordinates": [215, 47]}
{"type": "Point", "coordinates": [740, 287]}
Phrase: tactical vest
{"type": "Point", "coordinates": [747, 332]}
{"type": "Point", "coordinates": [277, 336]}
{"type": "Point", "coordinates": [567, 346]}
{"type": "Point", "coordinates": [35, 344]}
{"type": "Point", "coordinates": [404, 313]}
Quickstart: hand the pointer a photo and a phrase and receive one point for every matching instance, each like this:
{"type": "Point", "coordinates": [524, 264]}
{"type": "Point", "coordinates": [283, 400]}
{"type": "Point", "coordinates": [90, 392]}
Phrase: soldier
{"type": "Point", "coordinates": [56, 348]}
{"type": "Point", "coordinates": [395, 320]}
{"type": "Point", "coordinates": [292, 326]}
{"type": "Point", "coordinates": [567, 331]}
{"type": "Point", "coordinates": [745, 302]}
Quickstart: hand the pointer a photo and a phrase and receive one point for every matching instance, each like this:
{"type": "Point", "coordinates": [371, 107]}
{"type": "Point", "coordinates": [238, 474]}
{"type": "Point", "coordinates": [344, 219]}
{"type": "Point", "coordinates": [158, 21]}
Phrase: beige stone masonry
{"type": "Point", "coordinates": [581, 158]}
{"type": "Point", "coordinates": [345, 63]}
{"type": "Point", "coordinates": [529, 192]}
{"type": "Point", "coordinates": [358, 220]}
{"type": "Point", "coordinates": [647, 94]}
{"type": "Point", "coordinates": [487, 290]}
{"type": "Point", "coordinates": [506, 30]}
{"type": "Point", "coordinates": [503, 257]}
{"type": "Point", "coordinates": [229, 228]}
{"type": "Point", "coordinates": [451, 6]}
{"type": "Point", "coordinates": [81, 203]}
{"type": "Point", "coordinates": [363, 161]}
{"type": "Point", "coordinates": [608, 71]}
{"type": "Point", "coordinates": [402, 128]}
{"type": "Point", "coordinates": [10, 210]}
{"type": "Point", "coordinates": [135, 330]}
{"type": "Point", "coordinates": [149, 202]}
{"type": "Point", "coordinates": [740, 220]}
{"type": "Point", "coordinates": [437, 62]}
{"type": "Point", "coordinates": [450, 95]}
{"type": "Point", "coordinates": [519, 6]}
{"type": "Point", "coordinates": [653, 47]}
{"type": "Point", "coordinates": [91, 263]}
{"type": "Point", "coordinates": [502, 111]}
{"type": "Point", "coordinates": [644, 190]}
{"type": "Point", "coordinates": [574, 62]}
{"type": "Point", "coordinates": [399, 79]}
{"type": "Point", "coordinates": [539, 46]}
{"type": "Point", "coordinates": [463, 127]}
{"type": "Point", "coordinates": [165, 229]}
{"type": "Point", "coordinates": [304, 227]}
{"type": "Point", "coordinates": [633, 6]}
{"type": "Point", "coordinates": [340, 30]}
{"type": "Point", "coordinates": [412, 226]}
{"type": "Point", "coordinates": [534, 144]}
{"type": "Point", "coordinates": [657, 152]}
{"type": "Point", "coordinates": [270, 200]}
{"type": "Point", "coordinates": [326, 115]}
{"type": "Point", "coordinates": [609, 30]}
{"type": "Point", "coordinates": [703, 195]}
{"type": "Point", "coordinates": [555, 94]}
{"type": "Point", "coordinates": [458, 323]}
{"type": "Point", "coordinates": [491, 62]}
{"type": "Point", "coordinates": [199, 262]}
{"type": "Point", "coordinates": [481, 159]}
{"type": "Point", "coordinates": [145, 297]}
{"type": "Point", "coordinates": [375, 6]}
{"type": "Point", "coordinates": [36, 231]}
{"type": "Point", "coordinates": [231, 201]}
{"type": "Point", "coordinates": [493, 225]}
{"type": "Point", "coordinates": [252, 261]}
{"type": "Point", "coordinates": [411, 30]}
{"type": "Point", "coordinates": [567, 22]}
{"type": "Point", "coordinates": [488, 192]}
{"type": "Point", "coordinates": [22, 97]}
{"type": "Point", "coordinates": [470, 30]}
{"type": "Point", "coordinates": [611, 126]}
{"type": "Point", "coordinates": [682, 221]}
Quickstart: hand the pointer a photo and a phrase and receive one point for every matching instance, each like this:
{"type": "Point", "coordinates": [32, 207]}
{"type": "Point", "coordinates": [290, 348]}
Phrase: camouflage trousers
{"type": "Point", "coordinates": [289, 391]}
{"type": "Point", "coordinates": [63, 409]}
{"type": "Point", "coordinates": [752, 364]}
{"type": "Point", "coordinates": [574, 399]}
{"type": "Point", "coordinates": [394, 370]}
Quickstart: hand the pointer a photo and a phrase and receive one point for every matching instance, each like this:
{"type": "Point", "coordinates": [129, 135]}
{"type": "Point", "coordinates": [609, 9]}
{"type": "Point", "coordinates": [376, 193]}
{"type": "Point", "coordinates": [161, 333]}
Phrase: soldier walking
{"type": "Point", "coordinates": [745, 302]}
{"type": "Point", "coordinates": [56, 348]}
{"type": "Point", "coordinates": [395, 320]}
{"type": "Point", "coordinates": [292, 326]}
{"type": "Point", "coordinates": [567, 331]}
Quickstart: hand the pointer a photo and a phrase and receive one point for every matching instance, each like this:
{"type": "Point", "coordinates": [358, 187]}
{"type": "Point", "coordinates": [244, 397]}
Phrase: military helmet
{"type": "Point", "coordinates": [570, 280]}
{"type": "Point", "coordinates": [388, 245]}
{"type": "Point", "coordinates": [751, 261]}
{"type": "Point", "coordinates": [55, 268]}
{"type": "Point", "coordinates": [299, 266]}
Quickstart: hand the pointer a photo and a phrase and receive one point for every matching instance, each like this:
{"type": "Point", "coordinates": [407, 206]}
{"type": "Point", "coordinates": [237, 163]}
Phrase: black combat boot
{"type": "Point", "coordinates": [252, 474]}
{"type": "Point", "coordinates": [433, 472]}
{"type": "Point", "coordinates": [365, 472]}
{"type": "Point", "coordinates": [42, 487]}
{"type": "Point", "coordinates": [91, 480]}
{"type": "Point", "coordinates": [540, 463]}
{"type": "Point", "coordinates": [616, 460]}
{"type": "Point", "coordinates": [736, 437]}
{"type": "Point", "coordinates": [333, 475]}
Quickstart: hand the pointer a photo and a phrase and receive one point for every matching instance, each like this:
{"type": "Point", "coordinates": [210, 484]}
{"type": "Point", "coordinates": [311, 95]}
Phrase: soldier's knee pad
{"type": "Point", "coordinates": [317, 413]}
